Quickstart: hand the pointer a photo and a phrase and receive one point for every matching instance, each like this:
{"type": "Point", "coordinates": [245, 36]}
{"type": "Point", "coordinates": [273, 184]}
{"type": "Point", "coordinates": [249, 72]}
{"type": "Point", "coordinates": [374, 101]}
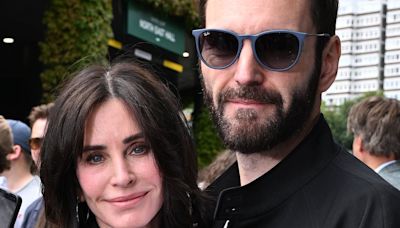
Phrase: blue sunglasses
{"type": "Point", "coordinates": [275, 50]}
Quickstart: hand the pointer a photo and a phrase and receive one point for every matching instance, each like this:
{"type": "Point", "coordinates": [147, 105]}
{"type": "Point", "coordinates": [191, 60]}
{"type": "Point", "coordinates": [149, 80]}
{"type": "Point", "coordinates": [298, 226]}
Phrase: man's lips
{"type": "Point", "coordinates": [245, 102]}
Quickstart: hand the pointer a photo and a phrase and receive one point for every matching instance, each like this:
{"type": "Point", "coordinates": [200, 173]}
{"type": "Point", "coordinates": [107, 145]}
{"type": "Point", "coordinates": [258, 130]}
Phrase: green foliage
{"type": "Point", "coordinates": [208, 144]}
{"type": "Point", "coordinates": [77, 33]}
{"type": "Point", "coordinates": [337, 119]}
{"type": "Point", "coordinates": [185, 9]}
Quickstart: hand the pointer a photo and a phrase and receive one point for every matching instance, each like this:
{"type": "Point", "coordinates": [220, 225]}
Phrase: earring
{"type": "Point", "coordinates": [190, 203]}
{"type": "Point", "coordinates": [77, 210]}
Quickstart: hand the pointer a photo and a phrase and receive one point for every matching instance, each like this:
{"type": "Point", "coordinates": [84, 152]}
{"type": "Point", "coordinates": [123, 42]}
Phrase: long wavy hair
{"type": "Point", "coordinates": [158, 114]}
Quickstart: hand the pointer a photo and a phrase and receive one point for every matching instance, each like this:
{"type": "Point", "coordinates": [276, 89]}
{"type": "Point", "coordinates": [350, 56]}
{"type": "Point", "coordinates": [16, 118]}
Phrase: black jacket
{"type": "Point", "coordinates": [318, 185]}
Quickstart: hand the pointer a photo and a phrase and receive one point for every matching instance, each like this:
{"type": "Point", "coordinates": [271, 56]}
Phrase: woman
{"type": "Point", "coordinates": [118, 153]}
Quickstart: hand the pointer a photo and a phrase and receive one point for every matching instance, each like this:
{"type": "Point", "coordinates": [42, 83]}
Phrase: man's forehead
{"type": "Point", "coordinates": [258, 15]}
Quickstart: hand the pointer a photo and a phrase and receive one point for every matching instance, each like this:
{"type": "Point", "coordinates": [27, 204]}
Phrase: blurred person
{"type": "Point", "coordinates": [38, 121]}
{"type": "Point", "coordinates": [20, 179]}
{"type": "Point", "coordinates": [6, 144]}
{"type": "Point", "coordinates": [211, 172]}
{"type": "Point", "coordinates": [264, 66]}
{"type": "Point", "coordinates": [118, 153]}
{"type": "Point", "coordinates": [375, 123]}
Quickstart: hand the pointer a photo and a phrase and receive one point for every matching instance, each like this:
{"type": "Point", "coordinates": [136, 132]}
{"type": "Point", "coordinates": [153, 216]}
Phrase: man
{"type": "Point", "coordinates": [375, 123]}
{"type": "Point", "coordinates": [20, 178]}
{"type": "Point", "coordinates": [6, 143]}
{"type": "Point", "coordinates": [264, 65]}
{"type": "Point", "coordinates": [38, 121]}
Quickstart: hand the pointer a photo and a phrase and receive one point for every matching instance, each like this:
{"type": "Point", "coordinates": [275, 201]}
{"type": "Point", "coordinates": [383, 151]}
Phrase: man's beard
{"type": "Point", "coordinates": [247, 135]}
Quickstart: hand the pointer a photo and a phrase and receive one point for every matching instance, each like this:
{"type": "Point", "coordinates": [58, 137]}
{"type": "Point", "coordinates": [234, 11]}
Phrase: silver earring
{"type": "Point", "coordinates": [77, 210]}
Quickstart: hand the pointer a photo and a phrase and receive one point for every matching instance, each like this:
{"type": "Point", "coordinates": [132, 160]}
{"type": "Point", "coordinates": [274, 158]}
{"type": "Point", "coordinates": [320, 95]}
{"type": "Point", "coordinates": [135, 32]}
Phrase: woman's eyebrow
{"type": "Point", "coordinates": [93, 147]}
{"type": "Point", "coordinates": [133, 137]}
{"type": "Point", "coordinates": [125, 141]}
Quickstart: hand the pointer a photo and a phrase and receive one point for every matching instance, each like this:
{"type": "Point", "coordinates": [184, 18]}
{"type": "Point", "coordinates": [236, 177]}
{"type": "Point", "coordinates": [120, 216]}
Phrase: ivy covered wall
{"type": "Point", "coordinates": [76, 33]}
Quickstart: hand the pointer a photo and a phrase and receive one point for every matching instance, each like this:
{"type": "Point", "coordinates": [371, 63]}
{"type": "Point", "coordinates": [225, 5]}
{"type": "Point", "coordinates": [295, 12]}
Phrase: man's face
{"type": "Point", "coordinates": [255, 109]}
{"type": "Point", "coordinates": [38, 131]}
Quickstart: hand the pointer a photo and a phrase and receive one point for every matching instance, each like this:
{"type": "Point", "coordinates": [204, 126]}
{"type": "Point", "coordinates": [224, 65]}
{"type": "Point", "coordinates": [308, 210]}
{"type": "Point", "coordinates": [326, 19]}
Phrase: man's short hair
{"type": "Point", "coordinates": [376, 120]}
{"type": "Point", "coordinates": [6, 143]}
{"type": "Point", "coordinates": [40, 112]}
{"type": "Point", "coordinates": [6, 138]}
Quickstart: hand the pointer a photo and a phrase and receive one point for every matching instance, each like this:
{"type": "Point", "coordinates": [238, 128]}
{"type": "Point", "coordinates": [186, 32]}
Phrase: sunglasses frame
{"type": "Point", "coordinates": [253, 38]}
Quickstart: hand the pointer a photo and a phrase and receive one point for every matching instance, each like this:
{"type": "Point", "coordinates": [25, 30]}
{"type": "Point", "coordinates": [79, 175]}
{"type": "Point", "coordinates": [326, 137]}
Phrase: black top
{"type": "Point", "coordinates": [318, 185]}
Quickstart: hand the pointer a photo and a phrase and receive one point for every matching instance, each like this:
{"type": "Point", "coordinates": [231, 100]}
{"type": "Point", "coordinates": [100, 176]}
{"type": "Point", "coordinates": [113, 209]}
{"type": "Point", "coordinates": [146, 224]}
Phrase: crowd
{"type": "Point", "coordinates": [114, 148]}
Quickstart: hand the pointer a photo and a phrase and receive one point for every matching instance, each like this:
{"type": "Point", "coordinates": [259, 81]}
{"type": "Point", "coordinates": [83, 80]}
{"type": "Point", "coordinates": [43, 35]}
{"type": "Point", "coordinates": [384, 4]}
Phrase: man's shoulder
{"type": "Point", "coordinates": [391, 174]}
{"type": "Point", "coordinates": [354, 180]}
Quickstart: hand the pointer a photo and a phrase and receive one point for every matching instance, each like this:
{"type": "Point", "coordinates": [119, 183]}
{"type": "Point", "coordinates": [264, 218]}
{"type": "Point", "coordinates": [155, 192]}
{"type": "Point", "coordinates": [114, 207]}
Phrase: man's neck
{"type": "Point", "coordinates": [252, 166]}
{"type": "Point", "coordinates": [375, 161]}
{"type": "Point", "coordinates": [17, 177]}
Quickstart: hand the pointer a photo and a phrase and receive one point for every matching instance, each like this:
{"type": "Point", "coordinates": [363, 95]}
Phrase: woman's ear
{"type": "Point", "coordinates": [330, 63]}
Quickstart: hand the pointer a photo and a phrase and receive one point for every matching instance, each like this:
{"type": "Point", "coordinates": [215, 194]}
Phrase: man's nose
{"type": "Point", "coordinates": [248, 71]}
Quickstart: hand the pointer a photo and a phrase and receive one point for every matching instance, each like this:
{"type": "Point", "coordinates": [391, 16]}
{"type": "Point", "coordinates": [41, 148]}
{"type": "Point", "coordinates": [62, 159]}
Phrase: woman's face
{"type": "Point", "coordinates": [118, 174]}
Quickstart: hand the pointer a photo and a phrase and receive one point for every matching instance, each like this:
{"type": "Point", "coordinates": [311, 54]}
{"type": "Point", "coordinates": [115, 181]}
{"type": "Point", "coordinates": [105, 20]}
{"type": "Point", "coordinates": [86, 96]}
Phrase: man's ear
{"type": "Point", "coordinates": [358, 147]}
{"type": "Point", "coordinates": [330, 63]}
{"type": "Point", "coordinates": [14, 153]}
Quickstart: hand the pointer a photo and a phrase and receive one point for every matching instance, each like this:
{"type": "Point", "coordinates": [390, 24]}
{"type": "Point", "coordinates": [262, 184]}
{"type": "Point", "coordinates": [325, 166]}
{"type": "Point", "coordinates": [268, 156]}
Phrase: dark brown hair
{"type": "Point", "coordinates": [158, 114]}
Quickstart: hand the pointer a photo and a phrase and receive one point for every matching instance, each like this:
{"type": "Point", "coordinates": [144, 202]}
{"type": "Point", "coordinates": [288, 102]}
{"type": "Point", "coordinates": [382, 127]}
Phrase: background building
{"type": "Point", "coordinates": [370, 35]}
{"type": "Point", "coordinates": [361, 27]}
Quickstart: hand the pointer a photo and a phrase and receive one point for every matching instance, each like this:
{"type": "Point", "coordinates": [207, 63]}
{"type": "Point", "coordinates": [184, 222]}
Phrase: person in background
{"type": "Point", "coordinates": [375, 123]}
{"type": "Point", "coordinates": [38, 121]}
{"type": "Point", "coordinates": [264, 66]}
{"type": "Point", "coordinates": [118, 153]}
{"type": "Point", "coordinates": [21, 178]}
{"type": "Point", "coordinates": [6, 145]}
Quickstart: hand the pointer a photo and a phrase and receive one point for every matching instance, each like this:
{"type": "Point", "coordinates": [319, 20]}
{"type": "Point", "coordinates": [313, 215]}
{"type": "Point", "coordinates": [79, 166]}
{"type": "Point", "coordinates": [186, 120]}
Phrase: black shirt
{"type": "Point", "coordinates": [318, 185]}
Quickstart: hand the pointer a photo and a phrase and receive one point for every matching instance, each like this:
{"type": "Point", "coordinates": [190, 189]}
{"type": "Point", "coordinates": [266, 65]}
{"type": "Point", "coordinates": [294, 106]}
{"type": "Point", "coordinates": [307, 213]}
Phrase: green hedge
{"type": "Point", "coordinates": [76, 34]}
{"type": "Point", "coordinates": [207, 141]}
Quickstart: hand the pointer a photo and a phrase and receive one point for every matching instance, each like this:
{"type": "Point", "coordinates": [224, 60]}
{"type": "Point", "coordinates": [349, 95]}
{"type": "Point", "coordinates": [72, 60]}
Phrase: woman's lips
{"type": "Point", "coordinates": [128, 200]}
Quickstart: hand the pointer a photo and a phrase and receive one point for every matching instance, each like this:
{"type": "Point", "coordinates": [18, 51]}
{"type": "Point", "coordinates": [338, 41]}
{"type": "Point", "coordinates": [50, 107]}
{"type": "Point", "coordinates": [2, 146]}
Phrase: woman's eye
{"type": "Point", "coordinates": [138, 149]}
{"type": "Point", "coordinates": [94, 159]}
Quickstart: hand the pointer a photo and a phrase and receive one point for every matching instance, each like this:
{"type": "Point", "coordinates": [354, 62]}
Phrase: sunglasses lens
{"type": "Point", "coordinates": [277, 50]}
{"type": "Point", "coordinates": [35, 143]}
{"type": "Point", "coordinates": [217, 48]}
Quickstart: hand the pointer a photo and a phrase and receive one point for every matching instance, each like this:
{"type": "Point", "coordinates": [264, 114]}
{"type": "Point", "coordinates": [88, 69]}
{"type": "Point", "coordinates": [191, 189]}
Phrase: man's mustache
{"type": "Point", "coordinates": [258, 94]}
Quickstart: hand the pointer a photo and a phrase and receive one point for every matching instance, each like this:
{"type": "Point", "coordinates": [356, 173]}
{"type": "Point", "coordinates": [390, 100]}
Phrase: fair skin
{"type": "Point", "coordinates": [38, 131]}
{"type": "Point", "coordinates": [19, 173]}
{"type": "Point", "coordinates": [118, 174]}
{"type": "Point", "coordinates": [365, 156]}
{"type": "Point", "coordinates": [266, 15]}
